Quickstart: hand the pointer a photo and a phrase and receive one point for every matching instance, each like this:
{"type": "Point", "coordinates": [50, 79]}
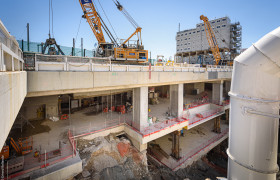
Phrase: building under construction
{"type": "Point", "coordinates": [192, 45]}
{"type": "Point", "coordinates": [74, 117]}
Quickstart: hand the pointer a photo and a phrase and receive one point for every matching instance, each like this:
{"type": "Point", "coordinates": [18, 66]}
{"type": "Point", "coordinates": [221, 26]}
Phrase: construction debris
{"type": "Point", "coordinates": [110, 156]}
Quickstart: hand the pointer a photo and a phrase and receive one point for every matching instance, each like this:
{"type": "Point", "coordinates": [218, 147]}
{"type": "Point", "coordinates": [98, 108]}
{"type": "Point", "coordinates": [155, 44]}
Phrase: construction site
{"type": "Point", "coordinates": [114, 112]}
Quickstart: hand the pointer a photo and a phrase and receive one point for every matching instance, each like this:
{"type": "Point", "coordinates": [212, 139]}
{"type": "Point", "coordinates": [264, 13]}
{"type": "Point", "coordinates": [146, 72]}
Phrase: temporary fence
{"type": "Point", "coordinates": [204, 146]}
{"type": "Point", "coordinates": [90, 128]}
{"type": "Point", "coordinates": [42, 160]}
{"type": "Point", "coordinates": [107, 123]}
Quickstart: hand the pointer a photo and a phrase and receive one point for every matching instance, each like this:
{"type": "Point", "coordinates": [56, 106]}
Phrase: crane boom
{"type": "Point", "coordinates": [93, 19]}
{"type": "Point", "coordinates": [211, 39]}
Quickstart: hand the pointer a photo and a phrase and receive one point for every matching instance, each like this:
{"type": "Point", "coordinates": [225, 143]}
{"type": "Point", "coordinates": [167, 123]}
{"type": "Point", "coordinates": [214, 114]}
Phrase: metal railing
{"type": "Point", "coordinates": [73, 63]}
{"type": "Point", "coordinates": [45, 159]}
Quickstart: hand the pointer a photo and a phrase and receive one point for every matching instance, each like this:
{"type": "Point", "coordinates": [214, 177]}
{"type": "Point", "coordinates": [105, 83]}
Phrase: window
{"type": "Point", "coordinates": [202, 29]}
{"type": "Point", "coordinates": [223, 25]}
{"type": "Point", "coordinates": [219, 21]}
{"type": "Point", "coordinates": [190, 33]}
{"type": "Point", "coordinates": [213, 22]}
{"type": "Point", "coordinates": [181, 34]}
{"type": "Point", "coordinates": [202, 24]}
{"type": "Point", "coordinates": [186, 34]}
{"type": "Point", "coordinates": [198, 31]}
{"type": "Point", "coordinates": [218, 26]}
{"type": "Point", "coordinates": [194, 32]}
{"type": "Point", "coordinates": [189, 43]}
{"type": "Point", "coordinates": [186, 39]}
{"type": "Point", "coordinates": [224, 19]}
{"type": "Point", "coordinates": [198, 25]}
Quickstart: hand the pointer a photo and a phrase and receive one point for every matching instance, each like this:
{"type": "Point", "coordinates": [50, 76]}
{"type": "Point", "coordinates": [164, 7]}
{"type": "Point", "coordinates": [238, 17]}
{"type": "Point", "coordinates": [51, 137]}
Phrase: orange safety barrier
{"type": "Point", "coordinates": [64, 117]}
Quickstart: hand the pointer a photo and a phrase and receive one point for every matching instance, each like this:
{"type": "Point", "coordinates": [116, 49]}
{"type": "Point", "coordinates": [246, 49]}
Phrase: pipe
{"type": "Point", "coordinates": [255, 97]}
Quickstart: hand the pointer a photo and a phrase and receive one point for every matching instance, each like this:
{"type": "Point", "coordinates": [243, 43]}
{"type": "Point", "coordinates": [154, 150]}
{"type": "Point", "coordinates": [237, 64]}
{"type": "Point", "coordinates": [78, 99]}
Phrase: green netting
{"type": "Point", "coordinates": [36, 47]}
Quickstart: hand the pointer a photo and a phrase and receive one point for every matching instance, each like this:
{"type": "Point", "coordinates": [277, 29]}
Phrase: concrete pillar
{"type": "Point", "coordinates": [140, 108]}
{"type": "Point", "coordinates": [176, 100]}
{"type": "Point", "coordinates": [227, 86]}
{"type": "Point", "coordinates": [217, 92]}
{"type": "Point", "coordinates": [217, 124]}
{"type": "Point", "coordinates": [176, 144]}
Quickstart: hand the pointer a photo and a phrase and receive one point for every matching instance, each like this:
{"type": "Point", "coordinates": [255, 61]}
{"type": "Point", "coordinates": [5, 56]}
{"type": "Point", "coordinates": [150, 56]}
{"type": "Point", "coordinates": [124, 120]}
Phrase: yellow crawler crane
{"type": "Point", "coordinates": [211, 39]}
{"type": "Point", "coordinates": [125, 51]}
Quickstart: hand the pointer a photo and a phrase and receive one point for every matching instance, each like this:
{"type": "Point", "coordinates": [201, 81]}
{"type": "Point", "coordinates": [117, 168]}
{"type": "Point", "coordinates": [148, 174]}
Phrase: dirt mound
{"type": "Point", "coordinates": [111, 158]}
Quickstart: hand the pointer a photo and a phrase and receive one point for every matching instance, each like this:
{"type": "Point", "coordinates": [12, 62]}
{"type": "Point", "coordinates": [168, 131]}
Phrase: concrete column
{"type": "Point", "coordinates": [227, 86]}
{"type": "Point", "coordinates": [176, 99]}
{"type": "Point", "coordinates": [217, 92]}
{"type": "Point", "coordinates": [140, 108]}
{"type": "Point", "coordinates": [176, 144]}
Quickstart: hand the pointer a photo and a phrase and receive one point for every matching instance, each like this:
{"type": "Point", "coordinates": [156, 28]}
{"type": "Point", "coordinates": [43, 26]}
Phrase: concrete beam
{"type": "Point", "coordinates": [42, 83]}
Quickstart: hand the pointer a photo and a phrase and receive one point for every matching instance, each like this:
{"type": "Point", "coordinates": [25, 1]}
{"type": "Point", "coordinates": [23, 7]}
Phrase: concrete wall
{"type": "Point", "coordinates": [13, 90]}
{"type": "Point", "coordinates": [53, 83]}
{"type": "Point", "coordinates": [31, 105]}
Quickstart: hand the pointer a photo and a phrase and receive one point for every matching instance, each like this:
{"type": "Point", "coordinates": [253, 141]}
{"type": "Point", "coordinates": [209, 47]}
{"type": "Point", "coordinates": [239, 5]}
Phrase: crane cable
{"type": "Point", "coordinates": [105, 28]}
{"type": "Point", "coordinates": [125, 13]}
{"type": "Point", "coordinates": [108, 20]}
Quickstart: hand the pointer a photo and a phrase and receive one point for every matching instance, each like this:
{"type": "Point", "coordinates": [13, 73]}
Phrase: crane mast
{"type": "Point", "coordinates": [211, 39]}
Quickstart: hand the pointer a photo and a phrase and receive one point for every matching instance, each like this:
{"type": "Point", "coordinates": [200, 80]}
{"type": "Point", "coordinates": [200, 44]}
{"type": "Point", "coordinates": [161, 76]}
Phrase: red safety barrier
{"type": "Point", "coordinates": [191, 154]}
{"type": "Point", "coordinates": [44, 160]}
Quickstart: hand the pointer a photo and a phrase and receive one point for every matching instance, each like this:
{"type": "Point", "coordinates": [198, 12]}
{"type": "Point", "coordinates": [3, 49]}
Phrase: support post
{"type": "Point", "coordinates": [176, 144]}
{"type": "Point", "coordinates": [217, 124]}
{"type": "Point", "coordinates": [28, 48]}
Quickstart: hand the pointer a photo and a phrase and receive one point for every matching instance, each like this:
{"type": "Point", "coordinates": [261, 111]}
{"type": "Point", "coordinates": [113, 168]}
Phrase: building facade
{"type": "Point", "coordinates": [192, 44]}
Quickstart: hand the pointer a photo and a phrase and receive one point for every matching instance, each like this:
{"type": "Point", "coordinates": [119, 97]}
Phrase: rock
{"type": "Point", "coordinates": [103, 161]}
{"type": "Point", "coordinates": [85, 173]}
{"type": "Point", "coordinates": [111, 138]}
{"type": "Point", "coordinates": [114, 173]}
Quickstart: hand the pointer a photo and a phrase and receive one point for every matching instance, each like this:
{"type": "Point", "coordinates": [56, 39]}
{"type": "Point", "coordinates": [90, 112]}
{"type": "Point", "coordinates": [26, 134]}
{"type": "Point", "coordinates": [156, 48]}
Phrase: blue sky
{"type": "Point", "coordinates": [158, 18]}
